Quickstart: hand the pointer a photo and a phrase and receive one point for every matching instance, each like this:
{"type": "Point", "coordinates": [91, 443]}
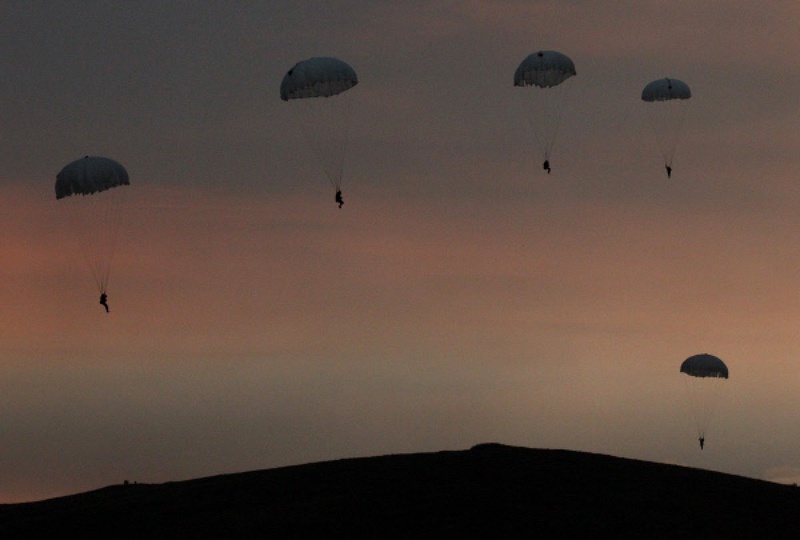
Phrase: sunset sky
{"type": "Point", "coordinates": [462, 295]}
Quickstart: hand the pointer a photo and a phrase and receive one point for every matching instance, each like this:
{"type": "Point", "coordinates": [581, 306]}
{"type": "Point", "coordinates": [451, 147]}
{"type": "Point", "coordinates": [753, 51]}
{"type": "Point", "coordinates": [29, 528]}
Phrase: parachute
{"type": "Point", "coordinates": [91, 195]}
{"type": "Point", "coordinates": [324, 122]}
{"type": "Point", "coordinates": [705, 373]}
{"type": "Point", "coordinates": [546, 71]}
{"type": "Point", "coordinates": [667, 101]}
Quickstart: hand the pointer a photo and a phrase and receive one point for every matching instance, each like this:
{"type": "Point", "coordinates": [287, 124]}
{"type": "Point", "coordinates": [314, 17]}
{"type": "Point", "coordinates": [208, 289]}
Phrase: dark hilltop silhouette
{"type": "Point", "coordinates": [489, 491]}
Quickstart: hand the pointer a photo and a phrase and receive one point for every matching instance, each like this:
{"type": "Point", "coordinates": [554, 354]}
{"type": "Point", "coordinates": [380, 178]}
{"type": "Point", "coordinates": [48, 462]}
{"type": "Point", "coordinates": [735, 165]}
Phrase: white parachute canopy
{"type": "Point", "coordinates": [667, 101]}
{"type": "Point", "coordinates": [704, 365]}
{"type": "Point", "coordinates": [665, 90]}
{"type": "Point", "coordinates": [324, 122]}
{"type": "Point", "coordinates": [544, 69]}
{"type": "Point", "coordinates": [322, 76]}
{"type": "Point", "coordinates": [545, 72]}
{"type": "Point", "coordinates": [703, 381]}
{"type": "Point", "coordinates": [90, 175]}
{"type": "Point", "coordinates": [92, 192]}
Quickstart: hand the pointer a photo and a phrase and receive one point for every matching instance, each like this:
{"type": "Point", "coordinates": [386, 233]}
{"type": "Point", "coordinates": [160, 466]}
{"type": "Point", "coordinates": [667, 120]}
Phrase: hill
{"type": "Point", "coordinates": [490, 490]}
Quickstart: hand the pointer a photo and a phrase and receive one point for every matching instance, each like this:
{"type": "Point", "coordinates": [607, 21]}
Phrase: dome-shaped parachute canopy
{"type": "Point", "coordinates": [544, 69]}
{"type": "Point", "coordinates": [90, 174]}
{"type": "Point", "coordinates": [321, 76]}
{"type": "Point", "coordinates": [665, 90]}
{"type": "Point", "coordinates": [704, 365]}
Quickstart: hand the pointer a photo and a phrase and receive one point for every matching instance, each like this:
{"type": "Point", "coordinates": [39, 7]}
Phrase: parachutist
{"type": "Point", "coordinates": [547, 71]}
{"type": "Point", "coordinates": [669, 171]}
{"type": "Point", "coordinates": [705, 372]}
{"type": "Point", "coordinates": [339, 197]}
{"type": "Point", "coordinates": [95, 181]}
{"type": "Point", "coordinates": [104, 301]}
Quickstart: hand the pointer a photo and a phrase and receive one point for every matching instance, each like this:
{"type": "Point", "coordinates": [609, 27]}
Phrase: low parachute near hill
{"type": "Point", "coordinates": [91, 192]}
{"type": "Point", "coordinates": [667, 103]}
{"type": "Point", "coordinates": [316, 87]}
{"type": "Point", "coordinates": [545, 72]}
{"type": "Point", "coordinates": [705, 374]}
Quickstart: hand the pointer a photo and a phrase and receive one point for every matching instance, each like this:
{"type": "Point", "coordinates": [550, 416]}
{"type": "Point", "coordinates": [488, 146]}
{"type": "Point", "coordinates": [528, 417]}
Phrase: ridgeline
{"type": "Point", "coordinates": [489, 491]}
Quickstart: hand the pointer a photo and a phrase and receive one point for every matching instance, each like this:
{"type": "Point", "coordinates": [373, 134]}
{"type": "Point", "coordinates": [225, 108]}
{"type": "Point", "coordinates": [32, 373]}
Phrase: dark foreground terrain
{"type": "Point", "coordinates": [490, 491]}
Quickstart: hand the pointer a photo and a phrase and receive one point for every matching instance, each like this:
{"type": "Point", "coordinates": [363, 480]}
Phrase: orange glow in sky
{"type": "Point", "coordinates": [461, 295]}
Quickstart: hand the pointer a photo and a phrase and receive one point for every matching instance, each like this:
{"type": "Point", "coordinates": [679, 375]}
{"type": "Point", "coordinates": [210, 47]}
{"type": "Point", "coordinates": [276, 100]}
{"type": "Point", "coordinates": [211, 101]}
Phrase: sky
{"type": "Point", "coordinates": [462, 295]}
